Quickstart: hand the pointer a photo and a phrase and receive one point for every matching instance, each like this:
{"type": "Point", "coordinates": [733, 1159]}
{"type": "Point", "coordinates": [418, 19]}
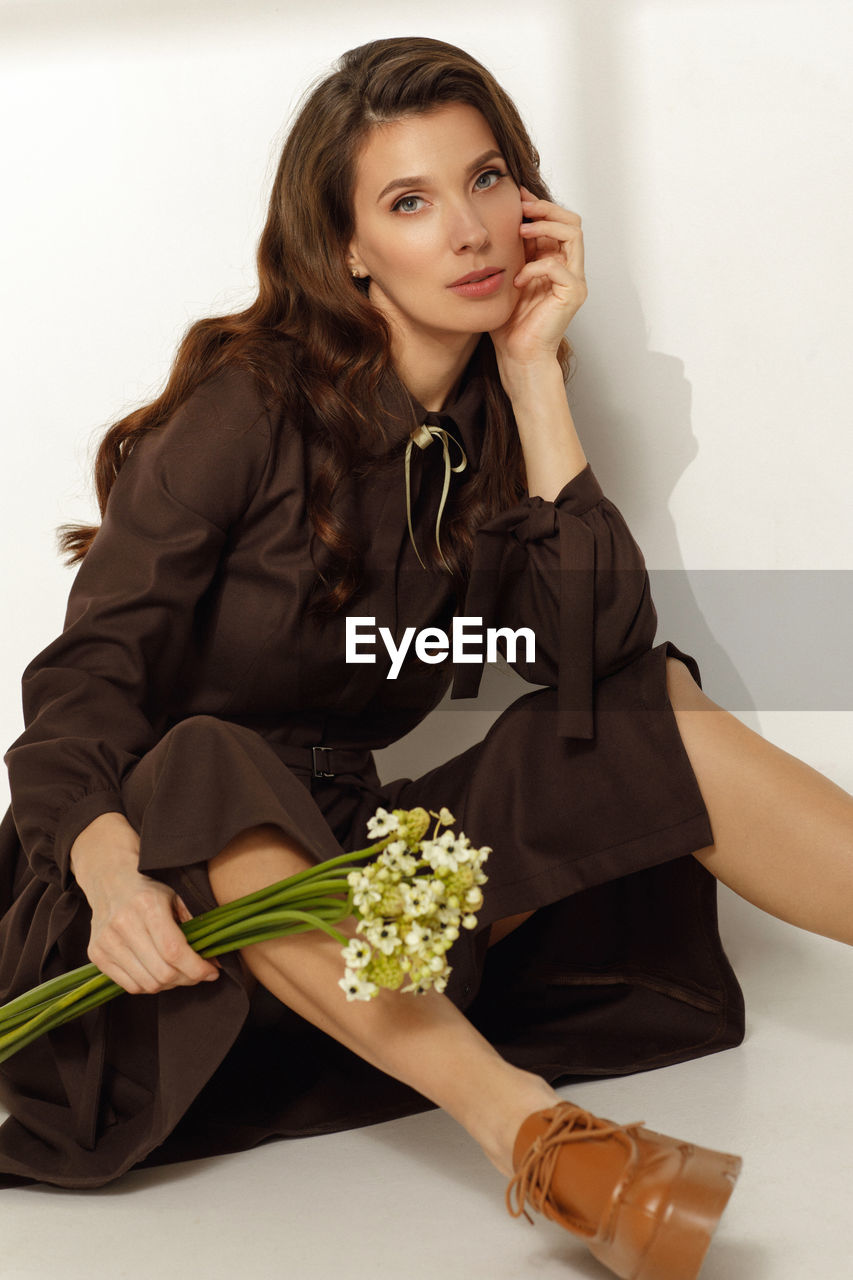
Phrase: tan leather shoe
{"type": "Point", "coordinates": [646, 1205]}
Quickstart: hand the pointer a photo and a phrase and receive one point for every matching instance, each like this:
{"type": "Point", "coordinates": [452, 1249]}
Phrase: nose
{"type": "Point", "coordinates": [467, 231]}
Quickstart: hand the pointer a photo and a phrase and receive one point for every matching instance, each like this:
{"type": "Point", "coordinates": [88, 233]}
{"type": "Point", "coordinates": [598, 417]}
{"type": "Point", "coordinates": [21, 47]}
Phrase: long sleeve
{"type": "Point", "coordinates": [91, 698]}
{"type": "Point", "coordinates": [571, 571]}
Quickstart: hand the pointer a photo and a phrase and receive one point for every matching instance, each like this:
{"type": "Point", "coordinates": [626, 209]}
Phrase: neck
{"type": "Point", "coordinates": [429, 364]}
{"type": "Point", "coordinates": [433, 377]}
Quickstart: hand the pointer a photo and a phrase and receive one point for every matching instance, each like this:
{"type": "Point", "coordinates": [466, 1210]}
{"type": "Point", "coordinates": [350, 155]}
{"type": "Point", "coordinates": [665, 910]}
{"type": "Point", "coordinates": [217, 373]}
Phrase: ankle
{"type": "Point", "coordinates": [505, 1108]}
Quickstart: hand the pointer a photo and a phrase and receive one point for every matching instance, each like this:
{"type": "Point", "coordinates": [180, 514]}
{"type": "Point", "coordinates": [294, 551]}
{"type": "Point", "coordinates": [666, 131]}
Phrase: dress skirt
{"type": "Point", "coordinates": [620, 969]}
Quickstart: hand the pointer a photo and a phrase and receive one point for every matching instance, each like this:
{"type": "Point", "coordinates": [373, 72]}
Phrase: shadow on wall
{"type": "Point", "coordinates": [633, 405]}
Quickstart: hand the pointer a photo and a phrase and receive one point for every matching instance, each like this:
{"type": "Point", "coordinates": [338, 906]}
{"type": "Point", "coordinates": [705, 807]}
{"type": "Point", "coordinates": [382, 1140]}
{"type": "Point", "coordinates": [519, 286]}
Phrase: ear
{"type": "Point", "coordinates": [354, 258]}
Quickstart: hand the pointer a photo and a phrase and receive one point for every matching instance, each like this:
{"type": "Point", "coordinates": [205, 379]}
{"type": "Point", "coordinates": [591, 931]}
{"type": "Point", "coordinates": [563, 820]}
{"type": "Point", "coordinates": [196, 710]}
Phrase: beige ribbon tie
{"type": "Point", "coordinates": [423, 437]}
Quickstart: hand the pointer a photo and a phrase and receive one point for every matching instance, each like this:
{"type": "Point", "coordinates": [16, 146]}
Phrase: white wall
{"type": "Point", "coordinates": [706, 146]}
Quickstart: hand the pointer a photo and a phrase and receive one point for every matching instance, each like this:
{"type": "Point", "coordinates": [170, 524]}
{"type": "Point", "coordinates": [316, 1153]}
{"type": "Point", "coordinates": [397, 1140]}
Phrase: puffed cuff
{"type": "Point", "coordinates": [531, 520]}
{"type": "Point", "coordinates": [72, 822]}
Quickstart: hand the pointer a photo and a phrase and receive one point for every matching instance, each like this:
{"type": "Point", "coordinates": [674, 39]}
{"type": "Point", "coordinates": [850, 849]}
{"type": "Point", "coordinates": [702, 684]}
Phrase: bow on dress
{"type": "Point", "coordinates": [533, 521]}
{"type": "Point", "coordinates": [423, 437]}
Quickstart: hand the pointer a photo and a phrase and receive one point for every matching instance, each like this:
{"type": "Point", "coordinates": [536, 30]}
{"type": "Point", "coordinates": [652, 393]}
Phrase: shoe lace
{"type": "Point", "coordinates": [570, 1123]}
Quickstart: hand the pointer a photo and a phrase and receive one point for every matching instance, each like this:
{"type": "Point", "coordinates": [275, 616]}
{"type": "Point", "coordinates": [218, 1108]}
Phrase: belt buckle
{"type": "Point", "coordinates": [319, 773]}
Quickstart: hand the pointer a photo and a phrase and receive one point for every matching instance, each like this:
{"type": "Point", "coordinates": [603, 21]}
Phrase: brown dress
{"type": "Point", "coordinates": [187, 690]}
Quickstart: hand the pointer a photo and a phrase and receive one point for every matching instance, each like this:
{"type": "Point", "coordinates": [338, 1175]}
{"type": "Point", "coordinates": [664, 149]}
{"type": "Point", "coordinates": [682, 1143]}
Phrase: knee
{"type": "Point", "coordinates": [678, 670]}
{"type": "Point", "coordinates": [683, 690]}
{"type": "Point", "coordinates": [194, 728]}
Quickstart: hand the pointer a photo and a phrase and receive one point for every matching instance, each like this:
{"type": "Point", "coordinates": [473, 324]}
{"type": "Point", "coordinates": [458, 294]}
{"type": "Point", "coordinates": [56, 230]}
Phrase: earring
{"type": "Point", "coordinates": [356, 275]}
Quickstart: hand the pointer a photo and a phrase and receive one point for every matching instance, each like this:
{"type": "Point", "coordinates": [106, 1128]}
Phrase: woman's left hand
{"type": "Point", "coordinates": [551, 285]}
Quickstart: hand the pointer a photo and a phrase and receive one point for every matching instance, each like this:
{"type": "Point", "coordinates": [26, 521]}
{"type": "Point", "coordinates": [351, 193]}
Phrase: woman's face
{"type": "Point", "coordinates": [433, 202]}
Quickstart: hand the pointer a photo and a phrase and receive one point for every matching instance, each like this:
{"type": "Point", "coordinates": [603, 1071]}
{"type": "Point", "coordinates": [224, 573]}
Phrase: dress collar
{"type": "Point", "coordinates": [462, 417]}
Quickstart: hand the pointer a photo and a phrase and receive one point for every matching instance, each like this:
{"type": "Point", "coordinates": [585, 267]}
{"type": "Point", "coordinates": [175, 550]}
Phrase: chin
{"type": "Point", "coordinates": [495, 310]}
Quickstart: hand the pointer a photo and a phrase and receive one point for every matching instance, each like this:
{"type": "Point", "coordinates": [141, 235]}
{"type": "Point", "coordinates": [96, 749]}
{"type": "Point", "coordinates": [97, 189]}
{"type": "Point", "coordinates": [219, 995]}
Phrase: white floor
{"type": "Point", "coordinates": [416, 1198]}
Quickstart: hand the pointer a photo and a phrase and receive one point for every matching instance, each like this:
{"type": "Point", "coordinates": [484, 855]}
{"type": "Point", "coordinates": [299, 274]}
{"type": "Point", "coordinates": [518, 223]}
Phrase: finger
{"type": "Point", "coordinates": [139, 942]}
{"type": "Point", "coordinates": [173, 948]}
{"type": "Point", "coordinates": [564, 238]}
{"type": "Point", "coordinates": [547, 208]}
{"type": "Point", "coordinates": [122, 977]}
{"type": "Point", "coordinates": [552, 268]}
{"type": "Point", "coordinates": [182, 911]}
{"type": "Point", "coordinates": [136, 961]}
{"type": "Point", "coordinates": [560, 231]}
{"type": "Point", "coordinates": [184, 915]}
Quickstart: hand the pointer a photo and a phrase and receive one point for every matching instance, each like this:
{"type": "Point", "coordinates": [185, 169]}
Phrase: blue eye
{"type": "Point", "coordinates": [496, 174]}
{"type": "Point", "coordinates": [404, 200]}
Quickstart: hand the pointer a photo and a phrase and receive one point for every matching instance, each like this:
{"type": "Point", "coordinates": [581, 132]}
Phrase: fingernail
{"type": "Point", "coordinates": [211, 977]}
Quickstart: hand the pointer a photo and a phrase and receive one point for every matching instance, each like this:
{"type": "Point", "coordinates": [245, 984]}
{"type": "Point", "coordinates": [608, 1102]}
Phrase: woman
{"type": "Point", "coordinates": [195, 732]}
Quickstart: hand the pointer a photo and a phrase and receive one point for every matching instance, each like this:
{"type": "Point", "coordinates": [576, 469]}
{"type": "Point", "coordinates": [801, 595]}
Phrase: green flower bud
{"type": "Point", "coordinates": [414, 823]}
{"type": "Point", "coordinates": [385, 971]}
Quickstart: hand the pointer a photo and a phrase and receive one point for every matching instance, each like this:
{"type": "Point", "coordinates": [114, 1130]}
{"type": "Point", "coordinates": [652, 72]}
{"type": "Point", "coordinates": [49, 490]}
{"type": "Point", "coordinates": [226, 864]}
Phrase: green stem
{"type": "Point", "coordinates": [205, 929]}
{"type": "Point", "coordinates": [30, 1031]}
{"type": "Point", "coordinates": [300, 878]}
{"type": "Point", "coordinates": [307, 895]}
{"type": "Point", "coordinates": [268, 935]}
{"type": "Point", "coordinates": [310, 899]}
{"type": "Point", "coordinates": [47, 1017]}
{"type": "Point", "coordinates": [268, 923]}
{"type": "Point", "coordinates": [36, 996]}
{"type": "Point", "coordinates": [100, 989]}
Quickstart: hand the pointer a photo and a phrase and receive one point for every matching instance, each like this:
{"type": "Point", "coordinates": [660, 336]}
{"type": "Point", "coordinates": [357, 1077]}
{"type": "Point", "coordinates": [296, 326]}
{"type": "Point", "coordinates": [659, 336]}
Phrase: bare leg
{"type": "Point", "coordinates": [500, 928]}
{"type": "Point", "coordinates": [423, 1040]}
{"type": "Point", "coordinates": [783, 833]}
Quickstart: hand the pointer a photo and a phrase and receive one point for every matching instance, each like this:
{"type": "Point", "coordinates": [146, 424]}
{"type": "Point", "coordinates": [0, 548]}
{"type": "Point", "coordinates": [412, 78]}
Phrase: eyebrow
{"type": "Point", "coordinates": [423, 180]}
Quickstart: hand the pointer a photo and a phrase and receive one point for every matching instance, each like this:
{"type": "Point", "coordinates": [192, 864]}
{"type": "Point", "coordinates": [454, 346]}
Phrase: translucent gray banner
{"type": "Point", "coordinates": [764, 639]}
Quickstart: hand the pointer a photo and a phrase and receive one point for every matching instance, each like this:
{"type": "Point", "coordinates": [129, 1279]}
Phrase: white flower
{"type": "Point", "coordinates": [355, 986]}
{"type": "Point", "coordinates": [419, 988]}
{"type": "Point", "coordinates": [416, 935]}
{"type": "Point", "coordinates": [419, 899]}
{"type": "Point", "coordinates": [469, 922]}
{"type": "Point", "coordinates": [381, 935]}
{"type": "Point", "coordinates": [366, 897]}
{"type": "Point", "coordinates": [439, 858]}
{"type": "Point", "coordinates": [382, 824]}
{"type": "Point", "coordinates": [397, 859]}
{"type": "Point", "coordinates": [396, 847]}
{"type": "Point", "coordinates": [356, 954]}
{"type": "Point", "coordinates": [474, 899]}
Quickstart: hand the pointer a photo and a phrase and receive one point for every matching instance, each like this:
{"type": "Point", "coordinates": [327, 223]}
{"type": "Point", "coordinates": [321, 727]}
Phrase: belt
{"type": "Point", "coordinates": [325, 762]}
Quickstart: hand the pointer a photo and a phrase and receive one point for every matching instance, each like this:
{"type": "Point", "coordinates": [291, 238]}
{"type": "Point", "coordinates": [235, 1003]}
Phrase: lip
{"type": "Point", "coordinates": [481, 286]}
{"type": "Point", "coordinates": [475, 275]}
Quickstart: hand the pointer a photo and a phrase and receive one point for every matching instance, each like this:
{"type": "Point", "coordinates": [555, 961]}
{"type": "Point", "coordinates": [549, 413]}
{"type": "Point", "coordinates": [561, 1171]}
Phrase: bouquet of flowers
{"type": "Point", "coordinates": [409, 902]}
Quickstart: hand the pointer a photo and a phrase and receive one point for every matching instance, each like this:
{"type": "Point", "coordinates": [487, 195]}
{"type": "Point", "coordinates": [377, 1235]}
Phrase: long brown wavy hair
{"type": "Point", "coordinates": [312, 339]}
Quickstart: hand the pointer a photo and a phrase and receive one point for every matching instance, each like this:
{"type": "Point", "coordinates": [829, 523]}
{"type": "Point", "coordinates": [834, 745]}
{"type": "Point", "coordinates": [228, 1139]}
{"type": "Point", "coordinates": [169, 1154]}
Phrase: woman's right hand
{"type": "Point", "coordinates": [135, 939]}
